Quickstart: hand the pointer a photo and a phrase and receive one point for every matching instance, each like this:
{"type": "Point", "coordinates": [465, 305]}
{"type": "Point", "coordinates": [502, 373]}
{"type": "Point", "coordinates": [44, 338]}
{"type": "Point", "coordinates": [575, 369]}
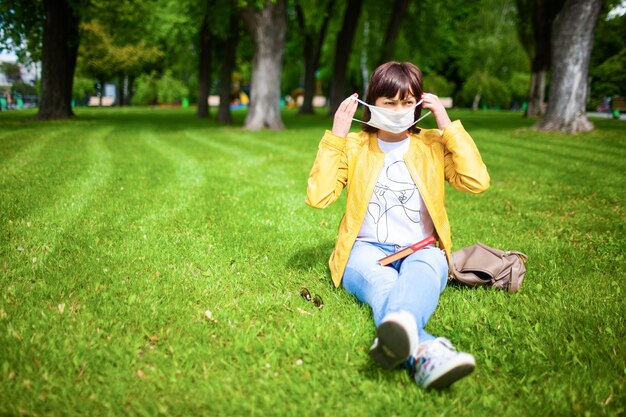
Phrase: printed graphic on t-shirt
{"type": "Point", "coordinates": [395, 199]}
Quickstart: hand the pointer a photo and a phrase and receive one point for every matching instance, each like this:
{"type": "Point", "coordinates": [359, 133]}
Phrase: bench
{"type": "Point", "coordinates": [618, 103]}
{"type": "Point", "coordinates": [106, 101]}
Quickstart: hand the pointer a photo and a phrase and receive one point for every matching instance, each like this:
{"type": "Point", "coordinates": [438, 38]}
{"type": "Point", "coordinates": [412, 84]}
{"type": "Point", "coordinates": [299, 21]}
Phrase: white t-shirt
{"type": "Point", "coordinates": [396, 213]}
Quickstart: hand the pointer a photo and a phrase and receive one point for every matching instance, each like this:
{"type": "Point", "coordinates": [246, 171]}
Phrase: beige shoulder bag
{"type": "Point", "coordinates": [482, 265]}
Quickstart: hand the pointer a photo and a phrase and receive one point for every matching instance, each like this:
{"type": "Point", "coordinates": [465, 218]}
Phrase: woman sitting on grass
{"type": "Point", "coordinates": [394, 173]}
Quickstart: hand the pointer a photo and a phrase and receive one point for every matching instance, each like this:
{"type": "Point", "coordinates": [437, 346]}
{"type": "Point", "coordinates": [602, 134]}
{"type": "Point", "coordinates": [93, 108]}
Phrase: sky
{"type": "Point", "coordinates": [618, 10]}
{"type": "Point", "coordinates": [8, 56]}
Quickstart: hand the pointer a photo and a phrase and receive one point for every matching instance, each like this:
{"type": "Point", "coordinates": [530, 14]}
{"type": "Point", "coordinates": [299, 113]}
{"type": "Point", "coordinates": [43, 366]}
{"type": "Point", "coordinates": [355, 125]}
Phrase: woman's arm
{"type": "Point", "coordinates": [329, 174]}
{"type": "Point", "coordinates": [463, 166]}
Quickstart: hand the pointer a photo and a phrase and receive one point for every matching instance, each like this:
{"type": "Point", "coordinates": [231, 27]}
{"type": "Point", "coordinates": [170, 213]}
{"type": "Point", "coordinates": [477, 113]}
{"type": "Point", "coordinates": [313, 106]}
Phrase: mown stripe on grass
{"type": "Point", "coordinates": [46, 226]}
{"type": "Point", "coordinates": [248, 139]}
{"type": "Point", "coordinates": [189, 175]}
{"type": "Point", "coordinates": [249, 168]}
{"type": "Point", "coordinates": [225, 148]}
{"type": "Point", "coordinates": [28, 152]}
{"type": "Point", "coordinates": [592, 155]}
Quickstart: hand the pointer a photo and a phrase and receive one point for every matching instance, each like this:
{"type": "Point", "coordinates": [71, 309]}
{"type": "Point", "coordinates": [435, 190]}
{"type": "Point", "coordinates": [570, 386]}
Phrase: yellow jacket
{"type": "Point", "coordinates": [355, 162]}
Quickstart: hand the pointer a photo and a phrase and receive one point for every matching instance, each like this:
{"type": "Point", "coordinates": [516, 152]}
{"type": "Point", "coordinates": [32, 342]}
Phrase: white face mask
{"type": "Point", "coordinates": [391, 120]}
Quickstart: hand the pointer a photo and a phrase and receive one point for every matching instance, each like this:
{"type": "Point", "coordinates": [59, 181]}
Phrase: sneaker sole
{"type": "Point", "coordinates": [451, 376]}
{"type": "Point", "coordinates": [393, 346]}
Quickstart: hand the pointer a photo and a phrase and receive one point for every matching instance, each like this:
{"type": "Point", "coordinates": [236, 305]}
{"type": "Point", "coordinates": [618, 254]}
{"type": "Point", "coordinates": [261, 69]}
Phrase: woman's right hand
{"type": "Point", "coordinates": [343, 116]}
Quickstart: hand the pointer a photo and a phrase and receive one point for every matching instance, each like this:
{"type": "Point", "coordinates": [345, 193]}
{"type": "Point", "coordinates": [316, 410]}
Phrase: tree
{"type": "Point", "coordinates": [59, 52]}
{"type": "Point", "coordinates": [485, 58]}
{"type": "Point", "coordinates": [343, 47]}
{"type": "Point", "coordinates": [219, 26]}
{"type": "Point", "coordinates": [21, 23]}
{"type": "Point", "coordinates": [101, 57]}
{"type": "Point", "coordinates": [204, 64]}
{"type": "Point", "coordinates": [228, 65]}
{"type": "Point", "coordinates": [312, 47]}
{"type": "Point", "coordinates": [572, 42]}
{"type": "Point", "coordinates": [46, 29]}
{"type": "Point", "coordinates": [268, 27]}
{"type": "Point", "coordinates": [534, 28]}
{"type": "Point", "coordinates": [393, 28]}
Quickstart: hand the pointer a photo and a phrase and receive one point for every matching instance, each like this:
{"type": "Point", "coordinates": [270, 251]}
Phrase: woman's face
{"type": "Point", "coordinates": [395, 103]}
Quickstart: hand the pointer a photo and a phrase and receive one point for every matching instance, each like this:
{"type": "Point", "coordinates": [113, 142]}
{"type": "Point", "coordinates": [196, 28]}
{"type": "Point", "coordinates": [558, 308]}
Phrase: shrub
{"type": "Point", "coordinates": [493, 92]}
{"type": "Point", "coordinates": [170, 90]}
{"type": "Point", "coordinates": [145, 89]}
{"type": "Point", "coordinates": [82, 88]}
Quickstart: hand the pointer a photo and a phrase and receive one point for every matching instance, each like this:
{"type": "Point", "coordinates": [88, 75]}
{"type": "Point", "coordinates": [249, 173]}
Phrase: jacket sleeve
{"type": "Point", "coordinates": [463, 166]}
{"type": "Point", "coordinates": [329, 174]}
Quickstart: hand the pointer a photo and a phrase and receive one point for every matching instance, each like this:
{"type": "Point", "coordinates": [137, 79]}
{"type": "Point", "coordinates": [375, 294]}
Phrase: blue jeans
{"type": "Point", "coordinates": [412, 284]}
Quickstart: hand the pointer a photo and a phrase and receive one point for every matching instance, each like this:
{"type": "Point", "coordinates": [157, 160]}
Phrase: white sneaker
{"type": "Point", "coordinates": [396, 339]}
{"type": "Point", "coordinates": [437, 364]}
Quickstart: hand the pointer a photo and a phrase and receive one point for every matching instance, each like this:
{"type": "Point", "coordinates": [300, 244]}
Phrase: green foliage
{"type": "Point", "coordinates": [493, 92]}
{"type": "Point", "coordinates": [609, 78]}
{"type": "Point", "coordinates": [21, 28]}
{"type": "Point", "coordinates": [169, 89]}
{"type": "Point", "coordinates": [82, 88]}
{"type": "Point", "coordinates": [145, 89]}
{"type": "Point", "coordinates": [102, 58]}
{"type": "Point", "coordinates": [518, 85]}
{"type": "Point", "coordinates": [120, 229]}
{"type": "Point", "coordinates": [150, 89]}
{"type": "Point", "coordinates": [609, 37]}
{"type": "Point", "coordinates": [437, 84]}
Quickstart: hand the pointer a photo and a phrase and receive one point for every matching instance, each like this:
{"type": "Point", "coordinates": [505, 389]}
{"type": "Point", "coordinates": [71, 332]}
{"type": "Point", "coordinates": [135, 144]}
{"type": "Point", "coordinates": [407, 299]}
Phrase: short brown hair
{"type": "Point", "coordinates": [390, 79]}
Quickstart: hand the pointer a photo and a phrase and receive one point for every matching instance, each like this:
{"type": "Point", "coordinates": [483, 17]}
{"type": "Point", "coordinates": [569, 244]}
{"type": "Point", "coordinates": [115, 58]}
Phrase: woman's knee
{"type": "Point", "coordinates": [428, 264]}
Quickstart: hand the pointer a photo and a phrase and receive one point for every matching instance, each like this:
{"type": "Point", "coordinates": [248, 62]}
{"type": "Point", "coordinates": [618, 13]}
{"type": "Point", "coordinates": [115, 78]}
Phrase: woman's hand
{"type": "Point", "coordinates": [343, 116]}
{"type": "Point", "coordinates": [432, 103]}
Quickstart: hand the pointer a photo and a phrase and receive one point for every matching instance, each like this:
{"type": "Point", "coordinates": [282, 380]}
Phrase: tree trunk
{"type": "Point", "coordinates": [131, 89]}
{"type": "Point", "coordinates": [268, 27]}
{"type": "Point", "coordinates": [121, 91]}
{"type": "Point", "coordinates": [59, 52]}
{"type": "Point", "coordinates": [476, 101]}
{"type": "Point", "coordinates": [365, 74]}
{"type": "Point", "coordinates": [204, 68]}
{"type": "Point", "coordinates": [537, 93]}
{"type": "Point", "coordinates": [535, 30]}
{"type": "Point", "coordinates": [572, 41]}
{"type": "Point", "coordinates": [312, 52]}
{"type": "Point", "coordinates": [393, 28]}
{"type": "Point", "coordinates": [226, 72]}
{"type": "Point", "coordinates": [342, 53]}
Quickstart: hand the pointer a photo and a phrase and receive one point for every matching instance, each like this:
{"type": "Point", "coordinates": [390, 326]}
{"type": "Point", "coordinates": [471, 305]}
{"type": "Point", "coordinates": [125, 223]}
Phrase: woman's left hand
{"type": "Point", "coordinates": [432, 103]}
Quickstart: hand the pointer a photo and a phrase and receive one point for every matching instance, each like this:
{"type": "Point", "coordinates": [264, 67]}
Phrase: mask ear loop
{"type": "Point", "coordinates": [417, 121]}
{"type": "Point", "coordinates": [363, 103]}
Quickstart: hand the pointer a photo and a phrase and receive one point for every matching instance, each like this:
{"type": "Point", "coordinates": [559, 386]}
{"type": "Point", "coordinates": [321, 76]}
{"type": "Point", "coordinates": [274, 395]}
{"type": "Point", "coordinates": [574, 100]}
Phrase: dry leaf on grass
{"type": "Point", "coordinates": [301, 311]}
{"type": "Point", "coordinates": [209, 316]}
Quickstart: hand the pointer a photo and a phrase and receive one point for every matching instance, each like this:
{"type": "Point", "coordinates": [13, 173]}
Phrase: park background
{"type": "Point", "coordinates": [152, 252]}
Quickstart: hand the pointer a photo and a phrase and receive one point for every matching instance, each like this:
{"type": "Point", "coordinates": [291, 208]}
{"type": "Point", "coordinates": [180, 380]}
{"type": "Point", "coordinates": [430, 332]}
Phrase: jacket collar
{"type": "Point", "coordinates": [373, 143]}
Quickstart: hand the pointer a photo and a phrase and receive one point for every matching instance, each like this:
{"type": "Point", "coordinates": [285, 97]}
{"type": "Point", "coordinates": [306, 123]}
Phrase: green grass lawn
{"type": "Point", "coordinates": [120, 229]}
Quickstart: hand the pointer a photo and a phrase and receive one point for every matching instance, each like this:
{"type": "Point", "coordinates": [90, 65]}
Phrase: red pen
{"type": "Point", "coordinates": [407, 251]}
